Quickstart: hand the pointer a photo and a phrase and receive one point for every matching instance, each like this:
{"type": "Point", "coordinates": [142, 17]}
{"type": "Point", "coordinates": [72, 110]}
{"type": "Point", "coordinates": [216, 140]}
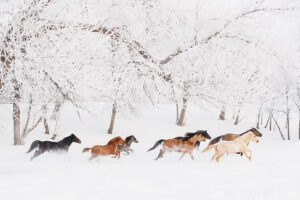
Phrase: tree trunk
{"type": "Point", "coordinates": [279, 129]}
{"type": "Point", "coordinates": [261, 118]}
{"type": "Point", "coordinates": [16, 118]}
{"type": "Point", "coordinates": [112, 120]}
{"type": "Point", "coordinates": [56, 110]}
{"type": "Point", "coordinates": [222, 114]}
{"type": "Point", "coordinates": [268, 121]}
{"type": "Point", "coordinates": [176, 112]}
{"type": "Point", "coordinates": [270, 124]}
{"type": "Point", "coordinates": [182, 113]}
{"type": "Point", "coordinates": [46, 126]}
{"type": "Point", "coordinates": [24, 134]}
{"type": "Point", "coordinates": [236, 122]}
{"type": "Point", "coordinates": [299, 126]}
{"type": "Point", "coordinates": [18, 140]}
{"type": "Point", "coordinates": [288, 125]}
{"type": "Point", "coordinates": [258, 119]}
{"type": "Point", "coordinates": [287, 117]}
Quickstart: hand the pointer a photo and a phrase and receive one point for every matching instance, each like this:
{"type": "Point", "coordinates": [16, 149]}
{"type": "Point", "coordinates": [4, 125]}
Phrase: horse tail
{"type": "Point", "coordinates": [156, 144]}
{"type": "Point", "coordinates": [85, 150]}
{"type": "Point", "coordinates": [34, 145]}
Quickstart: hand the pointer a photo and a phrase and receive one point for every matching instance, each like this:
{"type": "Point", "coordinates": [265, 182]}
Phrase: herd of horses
{"type": "Point", "coordinates": [223, 144]}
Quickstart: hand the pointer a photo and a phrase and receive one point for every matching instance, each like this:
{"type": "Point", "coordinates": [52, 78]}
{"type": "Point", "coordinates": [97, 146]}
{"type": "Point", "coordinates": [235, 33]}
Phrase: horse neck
{"type": "Point", "coordinates": [129, 142]}
{"type": "Point", "coordinates": [245, 138]}
{"type": "Point", "coordinates": [67, 141]}
{"type": "Point", "coordinates": [192, 140]}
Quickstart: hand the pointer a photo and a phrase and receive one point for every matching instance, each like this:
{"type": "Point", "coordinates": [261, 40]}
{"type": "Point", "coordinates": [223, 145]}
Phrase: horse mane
{"type": "Point", "coordinates": [251, 129]}
{"type": "Point", "coordinates": [204, 133]}
{"type": "Point", "coordinates": [190, 135]}
{"type": "Point", "coordinates": [127, 139]}
{"type": "Point", "coordinates": [67, 139]}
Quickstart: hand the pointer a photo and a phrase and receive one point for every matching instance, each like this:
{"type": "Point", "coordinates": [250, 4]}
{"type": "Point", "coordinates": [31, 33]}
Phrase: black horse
{"type": "Point", "coordinates": [186, 137]}
{"type": "Point", "coordinates": [126, 146]}
{"type": "Point", "coordinates": [44, 146]}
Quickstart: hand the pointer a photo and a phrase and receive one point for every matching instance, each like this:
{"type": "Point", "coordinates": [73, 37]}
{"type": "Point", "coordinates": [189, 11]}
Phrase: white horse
{"type": "Point", "coordinates": [240, 144]}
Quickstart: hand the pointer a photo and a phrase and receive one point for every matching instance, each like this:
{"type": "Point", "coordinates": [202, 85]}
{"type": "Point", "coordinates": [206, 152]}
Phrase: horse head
{"type": "Point", "coordinates": [75, 139]}
{"type": "Point", "coordinates": [204, 133]}
{"type": "Point", "coordinates": [253, 137]}
{"type": "Point", "coordinates": [130, 139]}
{"type": "Point", "coordinates": [200, 137]}
{"type": "Point", "coordinates": [256, 132]}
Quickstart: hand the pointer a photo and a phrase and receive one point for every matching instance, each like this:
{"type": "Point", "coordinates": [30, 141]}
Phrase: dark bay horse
{"type": "Point", "coordinates": [186, 137]}
{"type": "Point", "coordinates": [48, 146]}
{"type": "Point", "coordinates": [229, 137]}
{"type": "Point", "coordinates": [126, 147]}
{"type": "Point", "coordinates": [189, 135]}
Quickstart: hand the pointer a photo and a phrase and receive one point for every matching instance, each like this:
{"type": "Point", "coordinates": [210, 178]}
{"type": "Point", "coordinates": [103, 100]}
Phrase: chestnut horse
{"type": "Point", "coordinates": [104, 150]}
{"type": "Point", "coordinates": [229, 137]}
{"type": "Point", "coordinates": [240, 144]}
{"type": "Point", "coordinates": [179, 146]}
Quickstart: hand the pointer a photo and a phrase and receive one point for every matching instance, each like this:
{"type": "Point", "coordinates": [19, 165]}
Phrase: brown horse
{"type": "Point", "coordinates": [179, 146]}
{"type": "Point", "coordinates": [189, 135]}
{"type": "Point", "coordinates": [229, 137]}
{"type": "Point", "coordinates": [104, 150]}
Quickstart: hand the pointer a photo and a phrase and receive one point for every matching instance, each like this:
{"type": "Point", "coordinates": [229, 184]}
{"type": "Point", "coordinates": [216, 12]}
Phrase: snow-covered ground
{"type": "Point", "coordinates": [272, 174]}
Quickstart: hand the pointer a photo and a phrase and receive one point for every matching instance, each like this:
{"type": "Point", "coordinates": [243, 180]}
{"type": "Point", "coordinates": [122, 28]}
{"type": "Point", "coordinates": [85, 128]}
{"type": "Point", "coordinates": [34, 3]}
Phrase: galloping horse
{"type": "Point", "coordinates": [44, 146]}
{"type": "Point", "coordinates": [104, 150]}
{"type": "Point", "coordinates": [186, 137]}
{"type": "Point", "coordinates": [229, 137]}
{"type": "Point", "coordinates": [178, 146]}
{"type": "Point", "coordinates": [126, 147]}
{"type": "Point", "coordinates": [189, 135]}
{"type": "Point", "coordinates": [240, 144]}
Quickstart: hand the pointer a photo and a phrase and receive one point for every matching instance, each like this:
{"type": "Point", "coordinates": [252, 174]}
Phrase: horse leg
{"type": "Point", "coordinates": [244, 152]}
{"type": "Point", "coordinates": [218, 157]}
{"type": "Point", "coordinates": [92, 157]}
{"type": "Point", "coordinates": [215, 155]}
{"type": "Point", "coordinates": [191, 154]}
{"type": "Point", "coordinates": [36, 154]}
{"type": "Point", "coordinates": [182, 155]}
{"type": "Point", "coordinates": [161, 153]}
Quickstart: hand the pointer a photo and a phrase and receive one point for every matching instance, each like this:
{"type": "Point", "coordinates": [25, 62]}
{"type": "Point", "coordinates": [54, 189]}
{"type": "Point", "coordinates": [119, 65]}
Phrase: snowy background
{"type": "Point", "coordinates": [155, 69]}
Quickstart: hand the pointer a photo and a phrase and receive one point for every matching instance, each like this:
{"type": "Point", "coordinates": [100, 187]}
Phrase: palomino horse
{"type": "Point", "coordinates": [126, 147]}
{"type": "Point", "coordinates": [240, 144]}
{"type": "Point", "coordinates": [179, 146]}
{"type": "Point", "coordinates": [229, 137]}
{"type": "Point", "coordinates": [44, 146]}
{"type": "Point", "coordinates": [189, 135]}
{"type": "Point", "coordinates": [104, 150]}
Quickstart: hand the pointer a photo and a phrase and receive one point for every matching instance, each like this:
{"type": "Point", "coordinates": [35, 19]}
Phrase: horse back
{"type": "Point", "coordinates": [230, 137]}
{"type": "Point", "coordinates": [116, 140]}
{"type": "Point", "coordinates": [104, 149]}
